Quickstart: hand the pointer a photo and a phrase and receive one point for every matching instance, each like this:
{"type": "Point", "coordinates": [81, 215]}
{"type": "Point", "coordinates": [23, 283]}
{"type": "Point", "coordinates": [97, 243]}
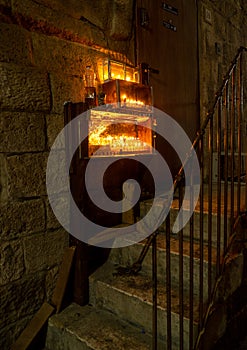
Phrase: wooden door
{"type": "Point", "coordinates": [167, 41]}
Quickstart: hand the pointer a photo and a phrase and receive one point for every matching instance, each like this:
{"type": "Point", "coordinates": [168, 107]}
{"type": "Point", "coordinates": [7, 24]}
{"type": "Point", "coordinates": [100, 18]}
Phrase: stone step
{"type": "Point", "coordinates": [130, 298]}
{"type": "Point", "coordinates": [128, 255]}
{"type": "Point", "coordinates": [147, 204]}
{"type": "Point", "coordinates": [90, 328]}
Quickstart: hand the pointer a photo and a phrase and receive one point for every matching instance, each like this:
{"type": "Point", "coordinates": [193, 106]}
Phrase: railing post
{"type": "Point", "coordinates": [181, 275]}
{"type": "Point", "coordinates": [155, 305]}
{"type": "Point", "coordinates": [168, 283]}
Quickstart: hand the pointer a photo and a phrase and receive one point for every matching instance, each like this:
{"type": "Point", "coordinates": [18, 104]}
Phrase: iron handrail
{"type": "Point", "coordinates": [216, 115]}
{"type": "Point", "coordinates": [136, 267]}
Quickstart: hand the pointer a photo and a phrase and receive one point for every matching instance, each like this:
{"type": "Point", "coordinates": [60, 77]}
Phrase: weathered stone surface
{"type": "Point", "coordinates": [57, 178]}
{"type": "Point", "coordinates": [43, 251]}
{"type": "Point", "coordinates": [54, 124]}
{"type": "Point", "coordinates": [11, 262]}
{"type": "Point", "coordinates": [102, 330]}
{"type": "Point", "coordinates": [62, 55]}
{"type": "Point", "coordinates": [79, 22]}
{"type": "Point", "coordinates": [55, 18]}
{"type": "Point", "coordinates": [26, 175]}
{"type": "Point", "coordinates": [64, 89]}
{"type": "Point", "coordinates": [130, 298]}
{"type": "Point", "coordinates": [121, 19]}
{"type": "Point", "coordinates": [52, 221]}
{"type": "Point", "coordinates": [86, 9]}
{"type": "Point", "coordinates": [3, 179]}
{"type": "Point", "coordinates": [23, 88]}
{"type": "Point", "coordinates": [21, 298]}
{"type": "Point", "coordinates": [21, 132]}
{"type": "Point", "coordinates": [15, 44]}
{"type": "Point", "coordinates": [128, 255]}
{"type": "Point", "coordinates": [11, 332]}
{"type": "Point", "coordinates": [50, 282]}
{"type": "Point", "coordinates": [19, 218]}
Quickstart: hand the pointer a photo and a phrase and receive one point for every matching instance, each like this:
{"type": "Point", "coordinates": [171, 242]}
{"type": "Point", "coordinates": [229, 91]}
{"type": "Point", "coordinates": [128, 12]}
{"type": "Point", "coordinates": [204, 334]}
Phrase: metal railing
{"type": "Point", "coordinates": [221, 144]}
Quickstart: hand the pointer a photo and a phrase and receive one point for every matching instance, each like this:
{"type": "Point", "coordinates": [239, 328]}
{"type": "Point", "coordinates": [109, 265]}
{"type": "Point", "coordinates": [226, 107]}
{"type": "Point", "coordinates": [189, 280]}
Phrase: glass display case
{"type": "Point", "coordinates": [128, 94]}
{"type": "Point", "coordinates": [113, 133]}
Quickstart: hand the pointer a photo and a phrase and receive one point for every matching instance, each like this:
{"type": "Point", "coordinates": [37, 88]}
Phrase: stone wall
{"type": "Point", "coordinates": [45, 47]}
{"type": "Point", "coordinates": [222, 28]}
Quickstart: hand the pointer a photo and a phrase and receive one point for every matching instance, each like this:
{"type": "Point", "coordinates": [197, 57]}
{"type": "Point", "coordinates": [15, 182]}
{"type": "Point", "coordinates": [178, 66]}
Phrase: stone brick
{"type": "Point", "coordinates": [3, 179]}
{"type": "Point", "coordinates": [56, 177]}
{"type": "Point", "coordinates": [44, 251]}
{"type": "Point", "coordinates": [11, 332]}
{"type": "Point", "coordinates": [23, 88]}
{"type": "Point", "coordinates": [21, 132]}
{"type": "Point", "coordinates": [21, 218]}
{"type": "Point", "coordinates": [18, 48]}
{"type": "Point", "coordinates": [55, 18]}
{"type": "Point", "coordinates": [54, 124]}
{"type": "Point", "coordinates": [87, 9]}
{"type": "Point", "coordinates": [62, 56]}
{"type": "Point", "coordinates": [11, 262]}
{"type": "Point", "coordinates": [26, 175]}
{"type": "Point", "coordinates": [52, 221]}
{"type": "Point", "coordinates": [121, 20]}
{"type": "Point", "coordinates": [21, 298]}
{"type": "Point", "coordinates": [64, 89]}
{"type": "Point", "coordinates": [50, 282]}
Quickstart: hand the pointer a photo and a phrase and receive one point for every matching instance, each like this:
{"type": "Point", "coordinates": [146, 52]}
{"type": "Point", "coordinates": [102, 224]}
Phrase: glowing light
{"type": "Point", "coordinates": [131, 102]}
{"type": "Point", "coordinates": [118, 70]}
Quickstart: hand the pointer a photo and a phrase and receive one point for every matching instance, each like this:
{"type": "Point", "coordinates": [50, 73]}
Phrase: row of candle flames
{"type": "Point", "coordinates": [104, 144]}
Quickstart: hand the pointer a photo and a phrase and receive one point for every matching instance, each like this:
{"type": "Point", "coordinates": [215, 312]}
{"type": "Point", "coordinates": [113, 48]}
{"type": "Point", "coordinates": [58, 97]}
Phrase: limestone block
{"type": "Point", "coordinates": [15, 44]}
{"type": "Point", "coordinates": [52, 221]}
{"type": "Point", "coordinates": [65, 88]}
{"type": "Point", "coordinates": [121, 21]}
{"type": "Point", "coordinates": [23, 88]}
{"type": "Point", "coordinates": [3, 179]}
{"type": "Point", "coordinates": [57, 178]}
{"type": "Point", "coordinates": [77, 9]}
{"type": "Point", "coordinates": [11, 332]}
{"type": "Point", "coordinates": [62, 56]}
{"type": "Point", "coordinates": [21, 132]}
{"type": "Point", "coordinates": [19, 218]}
{"type": "Point", "coordinates": [26, 175]}
{"type": "Point", "coordinates": [54, 18]}
{"type": "Point", "coordinates": [11, 262]}
{"type": "Point", "coordinates": [21, 298]}
{"type": "Point", "coordinates": [43, 251]}
{"type": "Point", "coordinates": [54, 124]}
{"type": "Point", "coordinates": [50, 282]}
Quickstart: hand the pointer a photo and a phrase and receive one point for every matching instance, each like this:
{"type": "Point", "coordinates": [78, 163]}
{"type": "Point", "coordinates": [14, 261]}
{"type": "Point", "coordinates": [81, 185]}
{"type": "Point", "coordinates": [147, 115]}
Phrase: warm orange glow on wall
{"type": "Point", "coordinates": [118, 70]}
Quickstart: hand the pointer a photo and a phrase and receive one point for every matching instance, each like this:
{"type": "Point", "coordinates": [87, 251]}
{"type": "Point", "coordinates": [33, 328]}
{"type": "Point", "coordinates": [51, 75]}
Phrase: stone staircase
{"type": "Point", "coordinates": [119, 315]}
